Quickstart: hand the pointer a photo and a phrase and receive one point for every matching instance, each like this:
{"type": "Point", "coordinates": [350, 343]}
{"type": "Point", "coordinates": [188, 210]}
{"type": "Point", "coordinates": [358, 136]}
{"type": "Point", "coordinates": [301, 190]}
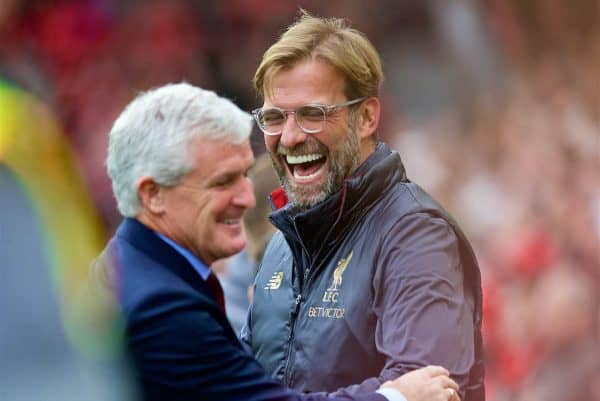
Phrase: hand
{"type": "Point", "coordinates": [432, 383]}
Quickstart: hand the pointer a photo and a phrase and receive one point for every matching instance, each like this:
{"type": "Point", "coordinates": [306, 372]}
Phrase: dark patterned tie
{"type": "Point", "coordinates": [217, 290]}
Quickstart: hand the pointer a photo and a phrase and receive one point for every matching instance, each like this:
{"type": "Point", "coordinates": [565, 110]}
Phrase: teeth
{"type": "Point", "coordinates": [302, 158]}
{"type": "Point", "coordinates": [231, 221]}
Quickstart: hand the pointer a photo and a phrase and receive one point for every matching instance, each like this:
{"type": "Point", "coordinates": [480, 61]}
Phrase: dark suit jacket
{"type": "Point", "coordinates": [180, 342]}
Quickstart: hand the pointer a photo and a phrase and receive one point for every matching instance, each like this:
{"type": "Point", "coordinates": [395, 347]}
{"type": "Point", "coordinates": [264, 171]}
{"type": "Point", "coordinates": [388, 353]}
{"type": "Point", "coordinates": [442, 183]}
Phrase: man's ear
{"type": "Point", "coordinates": [368, 119]}
{"type": "Point", "coordinates": [151, 195]}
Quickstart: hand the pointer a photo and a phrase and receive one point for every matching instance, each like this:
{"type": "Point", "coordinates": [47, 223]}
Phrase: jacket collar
{"type": "Point", "coordinates": [146, 240]}
{"type": "Point", "coordinates": [314, 229]}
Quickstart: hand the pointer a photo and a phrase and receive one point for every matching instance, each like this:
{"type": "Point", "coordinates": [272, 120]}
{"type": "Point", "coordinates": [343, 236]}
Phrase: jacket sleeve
{"type": "Point", "coordinates": [184, 352]}
{"type": "Point", "coordinates": [424, 314]}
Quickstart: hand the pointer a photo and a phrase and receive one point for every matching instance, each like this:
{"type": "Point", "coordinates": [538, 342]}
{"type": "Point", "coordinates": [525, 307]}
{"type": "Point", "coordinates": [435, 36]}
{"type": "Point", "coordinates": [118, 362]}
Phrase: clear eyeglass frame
{"type": "Point", "coordinates": [309, 117]}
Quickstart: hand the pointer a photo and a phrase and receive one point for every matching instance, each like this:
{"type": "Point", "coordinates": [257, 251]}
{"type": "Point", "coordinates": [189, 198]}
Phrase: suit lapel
{"type": "Point", "coordinates": [150, 244]}
{"type": "Point", "coordinates": [144, 239]}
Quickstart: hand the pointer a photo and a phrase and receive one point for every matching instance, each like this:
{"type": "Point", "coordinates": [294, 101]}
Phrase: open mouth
{"type": "Point", "coordinates": [305, 167]}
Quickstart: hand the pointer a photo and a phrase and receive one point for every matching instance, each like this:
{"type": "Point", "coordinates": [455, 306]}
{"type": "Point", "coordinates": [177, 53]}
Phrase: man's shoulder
{"type": "Point", "coordinates": [409, 196]}
{"type": "Point", "coordinates": [407, 200]}
{"type": "Point", "coordinates": [277, 247]}
{"type": "Point", "coordinates": [143, 283]}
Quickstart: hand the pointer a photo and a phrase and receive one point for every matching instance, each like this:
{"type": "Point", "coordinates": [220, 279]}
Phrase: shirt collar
{"type": "Point", "coordinates": [196, 263]}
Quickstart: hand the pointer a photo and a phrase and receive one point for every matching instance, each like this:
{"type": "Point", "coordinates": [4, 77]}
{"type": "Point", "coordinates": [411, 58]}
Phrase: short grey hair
{"type": "Point", "coordinates": [152, 136]}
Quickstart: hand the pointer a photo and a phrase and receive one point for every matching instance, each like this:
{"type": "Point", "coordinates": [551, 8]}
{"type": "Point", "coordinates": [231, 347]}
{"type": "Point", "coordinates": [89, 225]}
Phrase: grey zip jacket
{"type": "Point", "coordinates": [375, 281]}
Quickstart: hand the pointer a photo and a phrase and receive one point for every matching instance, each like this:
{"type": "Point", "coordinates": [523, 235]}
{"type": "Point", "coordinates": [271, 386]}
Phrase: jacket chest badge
{"type": "Point", "coordinates": [275, 281]}
{"type": "Point", "coordinates": [331, 294]}
{"type": "Point", "coordinates": [331, 310]}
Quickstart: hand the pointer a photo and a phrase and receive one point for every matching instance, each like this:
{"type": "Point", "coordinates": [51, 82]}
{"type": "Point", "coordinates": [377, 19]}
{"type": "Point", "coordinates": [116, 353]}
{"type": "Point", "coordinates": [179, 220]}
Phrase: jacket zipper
{"type": "Point", "coordinates": [293, 319]}
{"type": "Point", "coordinates": [295, 311]}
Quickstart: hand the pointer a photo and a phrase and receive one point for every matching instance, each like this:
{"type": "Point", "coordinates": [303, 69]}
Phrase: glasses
{"type": "Point", "coordinates": [310, 118]}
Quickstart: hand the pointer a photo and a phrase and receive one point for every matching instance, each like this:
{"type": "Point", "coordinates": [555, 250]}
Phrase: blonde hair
{"type": "Point", "coordinates": [328, 39]}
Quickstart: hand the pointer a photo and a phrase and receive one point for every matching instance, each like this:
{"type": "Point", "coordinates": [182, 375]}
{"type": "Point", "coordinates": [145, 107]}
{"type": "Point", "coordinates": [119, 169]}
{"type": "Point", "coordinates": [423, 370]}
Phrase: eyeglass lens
{"type": "Point", "coordinates": [309, 118]}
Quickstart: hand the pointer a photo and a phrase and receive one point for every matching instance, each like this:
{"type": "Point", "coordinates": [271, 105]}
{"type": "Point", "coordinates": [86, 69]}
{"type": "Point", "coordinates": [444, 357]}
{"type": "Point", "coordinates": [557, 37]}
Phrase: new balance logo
{"type": "Point", "coordinates": [275, 281]}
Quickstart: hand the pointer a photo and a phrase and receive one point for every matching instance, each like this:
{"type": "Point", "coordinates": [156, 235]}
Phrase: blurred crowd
{"type": "Point", "coordinates": [519, 167]}
{"type": "Point", "coordinates": [521, 172]}
{"type": "Point", "coordinates": [494, 106]}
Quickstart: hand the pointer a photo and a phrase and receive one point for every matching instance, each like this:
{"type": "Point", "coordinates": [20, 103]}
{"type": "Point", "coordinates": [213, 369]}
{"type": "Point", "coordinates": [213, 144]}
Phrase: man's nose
{"type": "Point", "coordinates": [291, 133]}
{"type": "Point", "coordinates": [245, 197]}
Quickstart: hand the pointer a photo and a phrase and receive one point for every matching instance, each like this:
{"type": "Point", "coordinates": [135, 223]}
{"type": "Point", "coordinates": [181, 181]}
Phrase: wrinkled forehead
{"type": "Point", "coordinates": [302, 83]}
{"type": "Point", "coordinates": [276, 69]}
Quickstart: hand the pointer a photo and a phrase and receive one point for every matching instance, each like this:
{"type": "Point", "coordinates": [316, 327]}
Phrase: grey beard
{"type": "Point", "coordinates": [343, 162]}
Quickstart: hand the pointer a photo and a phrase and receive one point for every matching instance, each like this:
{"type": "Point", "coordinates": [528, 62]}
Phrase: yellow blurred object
{"type": "Point", "coordinates": [34, 149]}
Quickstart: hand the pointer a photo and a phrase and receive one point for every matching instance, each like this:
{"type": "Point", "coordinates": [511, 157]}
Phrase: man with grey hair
{"type": "Point", "coordinates": [178, 159]}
